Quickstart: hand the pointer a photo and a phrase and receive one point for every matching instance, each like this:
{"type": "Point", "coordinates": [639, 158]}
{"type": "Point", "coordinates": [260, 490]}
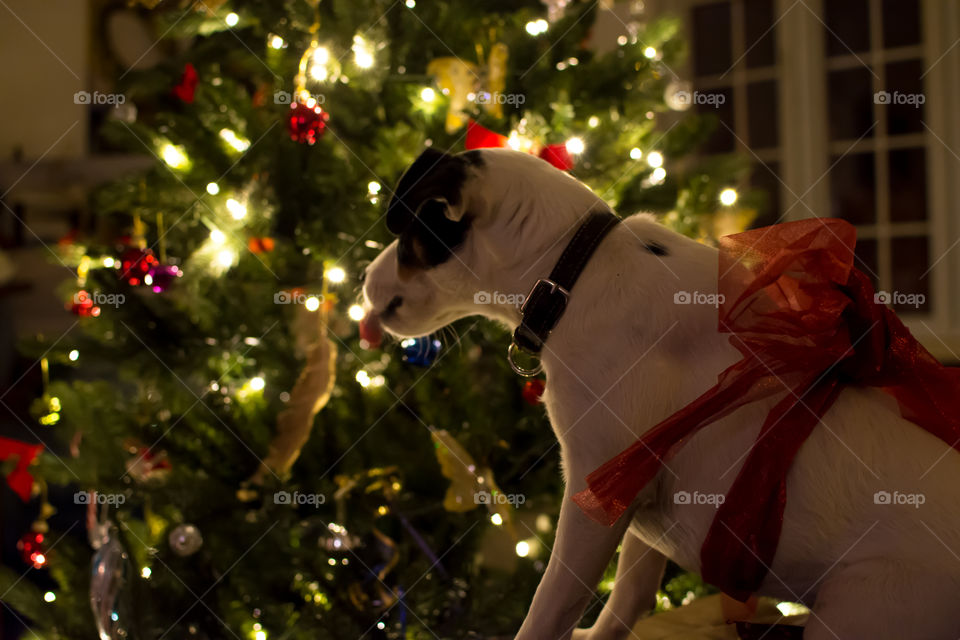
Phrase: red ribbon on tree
{"type": "Point", "coordinates": [807, 323]}
{"type": "Point", "coordinates": [479, 137]}
{"type": "Point", "coordinates": [20, 479]}
{"type": "Point", "coordinates": [187, 88]}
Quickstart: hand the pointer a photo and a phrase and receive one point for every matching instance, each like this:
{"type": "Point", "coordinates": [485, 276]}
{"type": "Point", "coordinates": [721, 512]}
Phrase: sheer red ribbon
{"type": "Point", "coordinates": [479, 137]}
{"type": "Point", "coordinates": [807, 324]}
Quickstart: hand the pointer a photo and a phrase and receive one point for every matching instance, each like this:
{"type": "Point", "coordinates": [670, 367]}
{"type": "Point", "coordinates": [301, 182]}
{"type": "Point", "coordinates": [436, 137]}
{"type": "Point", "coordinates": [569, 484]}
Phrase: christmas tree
{"type": "Point", "coordinates": [253, 462]}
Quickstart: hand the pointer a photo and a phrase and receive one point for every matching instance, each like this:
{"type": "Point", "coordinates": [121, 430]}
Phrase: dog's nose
{"type": "Point", "coordinates": [392, 306]}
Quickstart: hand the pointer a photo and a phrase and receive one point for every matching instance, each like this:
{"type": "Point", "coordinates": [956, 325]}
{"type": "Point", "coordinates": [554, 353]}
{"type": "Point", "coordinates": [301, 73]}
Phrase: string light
{"type": "Point", "coordinates": [257, 383]}
{"type": "Point", "coordinates": [363, 378]}
{"type": "Point", "coordinates": [145, 573]}
{"type": "Point", "coordinates": [650, 53]}
{"type": "Point", "coordinates": [496, 519]}
{"type": "Point", "coordinates": [237, 209]}
{"type": "Point", "coordinates": [260, 634]}
{"type": "Point", "coordinates": [225, 258]}
{"type": "Point", "coordinates": [356, 312]}
{"type": "Point", "coordinates": [658, 176]}
{"type": "Point", "coordinates": [312, 303]}
{"type": "Point", "coordinates": [213, 188]}
{"type": "Point", "coordinates": [655, 159]}
{"type": "Point", "coordinates": [232, 19]}
{"type": "Point", "coordinates": [362, 54]}
{"type": "Point", "coordinates": [411, 4]}
{"type": "Point", "coordinates": [636, 153]}
{"type": "Point", "coordinates": [217, 237]}
{"type": "Point", "coordinates": [277, 42]}
{"type": "Point", "coordinates": [427, 94]}
{"type": "Point", "coordinates": [536, 27]}
{"type": "Point", "coordinates": [593, 122]}
{"type": "Point", "coordinates": [336, 275]}
{"type": "Point", "coordinates": [231, 138]}
{"type": "Point", "coordinates": [319, 71]}
{"type": "Point", "coordinates": [373, 188]}
{"type": "Point", "coordinates": [74, 355]}
{"type": "Point", "coordinates": [174, 156]}
{"type": "Point", "coordinates": [49, 596]}
{"type": "Point", "coordinates": [108, 262]}
{"type": "Point", "coordinates": [728, 196]}
{"type": "Point", "coordinates": [575, 145]}
{"type": "Point", "coordinates": [523, 548]}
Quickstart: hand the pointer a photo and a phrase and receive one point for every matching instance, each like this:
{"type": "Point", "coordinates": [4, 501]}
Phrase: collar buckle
{"type": "Point", "coordinates": [553, 288]}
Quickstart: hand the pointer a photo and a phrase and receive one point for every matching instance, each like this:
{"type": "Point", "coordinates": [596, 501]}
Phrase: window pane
{"type": "Point", "coordinates": [852, 182]}
{"type": "Point", "coordinates": [901, 23]}
{"type": "Point", "coordinates": [722, 140]}
{"type": "Point", "coordinates": [766, 178]}
{"type": "Point", "coordinates": [762, 126]}
{"type": "Point", "coordinates": [910, 259]}
{"type": "Point", "coordinates": [905, 90]}
{"type": "Point", "coordinates": [712, 40]}
{"type": "Point", "coordinates": [759, 32]}
{"type": "Point", "coordinates": [847, 26]}
{"type": "Point", "coordinates": [850, 103]}
{"type": "Point", "coordinates": [908, 185]}
{"type": "Point", "coordinates": [866, 258]}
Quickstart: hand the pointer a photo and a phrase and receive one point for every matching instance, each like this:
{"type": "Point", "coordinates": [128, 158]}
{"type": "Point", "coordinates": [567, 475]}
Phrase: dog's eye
{"type": "Point", "coordinates": [431, 237]}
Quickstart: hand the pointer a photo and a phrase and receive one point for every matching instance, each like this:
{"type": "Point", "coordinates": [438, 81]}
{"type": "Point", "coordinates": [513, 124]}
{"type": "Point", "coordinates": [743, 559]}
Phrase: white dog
{"type": "Point", "coordinates": [623, 357]}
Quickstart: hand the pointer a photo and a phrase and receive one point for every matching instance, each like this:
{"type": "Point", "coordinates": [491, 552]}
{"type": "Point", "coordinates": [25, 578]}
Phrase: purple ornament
{"type": "Point", "coordinates": [161, 276]}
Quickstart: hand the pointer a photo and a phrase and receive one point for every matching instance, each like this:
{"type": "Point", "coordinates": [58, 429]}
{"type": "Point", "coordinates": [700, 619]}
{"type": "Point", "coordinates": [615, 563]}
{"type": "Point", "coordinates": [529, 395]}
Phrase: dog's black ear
{"type": "Point", "coordinates": [434, 177]}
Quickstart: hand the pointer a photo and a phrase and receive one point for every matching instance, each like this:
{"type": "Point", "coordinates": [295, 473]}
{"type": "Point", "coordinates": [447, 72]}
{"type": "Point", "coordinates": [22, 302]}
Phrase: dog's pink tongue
{"type": "Point", "coordinates": [370, 330]}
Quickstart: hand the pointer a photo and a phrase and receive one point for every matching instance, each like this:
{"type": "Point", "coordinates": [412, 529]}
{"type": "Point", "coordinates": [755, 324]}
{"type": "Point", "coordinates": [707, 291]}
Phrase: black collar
{"type": "Point", "coordinates": [547, 301]}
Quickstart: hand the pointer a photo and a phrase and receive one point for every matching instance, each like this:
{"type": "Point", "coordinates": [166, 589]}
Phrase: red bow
{"type": "Point", "coordinates": [806, 322]}
{"type": "Point", "coordinates": [188, 84]}
{"type": "Point", "coordinates": [20, 479]}
{"type": "Point", "coordinates": [479, 137]}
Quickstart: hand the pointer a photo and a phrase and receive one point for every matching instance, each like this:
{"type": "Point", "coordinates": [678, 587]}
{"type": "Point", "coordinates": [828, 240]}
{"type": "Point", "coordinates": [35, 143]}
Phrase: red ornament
{"type": "Point", "coordinates": [533, 390]}
{"type": "Point", "coordinates": [135, 264]}
{"type": "Point", "coordinates": [83, 306]}
{"type": "Point", "coordinates": [260, 245]}
{"type": "Point", "coordinates": [479, 137]}
{"type": "Point", "coordinates": [32, 549]}
{"type": "Point", "coordinates": [188, 84]}
{"type": "Point", "coordinates": [370, 331]}
{"type": "Point", "coordinates": [19, 479]}
{"type": "Point", "coordinates": [306, 123]}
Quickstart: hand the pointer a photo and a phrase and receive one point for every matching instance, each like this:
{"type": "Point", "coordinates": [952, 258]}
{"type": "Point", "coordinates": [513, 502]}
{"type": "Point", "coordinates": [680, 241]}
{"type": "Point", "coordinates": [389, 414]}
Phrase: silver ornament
{"type": "Point", "coordinates": [185, 540]}
{"type": "Point", "coordinates": [108, 577]}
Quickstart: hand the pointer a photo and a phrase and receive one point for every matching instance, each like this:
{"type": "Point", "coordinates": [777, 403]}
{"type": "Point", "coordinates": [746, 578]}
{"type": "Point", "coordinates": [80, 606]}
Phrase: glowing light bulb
{"type": "Point", "coordinates": [226, 257]}
{"type": "Point", "coordinates": [536, 27]}
{"type": "Point", "coordinates": [427, 94]}
{"type": "Point", "coordinates": [237, 209]}
{"type": "Point", "coordinates": [74, 355]}
{"type": "Point", "coordinates": [636, 153]}
{"type": "Point", "coordinates": [145, 573]}
{"type": "Point", "coordinates": [277, 42]}
{"type": "Point", "coordinates": [362, 54]}
{"type": "Point", "coordinates": [655, 159]}
{"type": "Point", "coordinates": [523, 548]}
{"type": "Point", "coordinates": [593, 121]}
{"type": "Point", "coordinates": [318, 70]}
{"type": "Point", "coordinates": [728, 196]}
{"type": "Point", "coordinates": [377, 381]}
{"type": "Point", "coordinates": [232, 19]}
{"type": "Point", "coordinates": [650, 52]}
{"type": "Point", "coordinates": [260, 635]}
{"type": "Point", "coordinates": [213, 188]}
{"type": "Point", "coordinates": [336, 275]}
{"type": "Point", "coordinates": [49, 596]}
{"type": "Point", "coordinates": [174, 156]}
{"type": "Point", "coordinates": [217, 237]}
{"type": "Point", "coordinates": [257, 383]}
{"type": "Point", "coordinates": [658, 176]}
{"type": "Point", "coordinates": [373, 187]}
{"type": "Point", "coordinates": [363, 378]}
{"type": "Point", "coordinates": [575, 145]}
{"type": "Point", "coordinates": [235, 141]}
{"type": "Point", "coordinates": [356, 312]}
{"type": "Point", "coordinates": [108, 262]}
{"type": "Point", "coordinates": [312, 303]}
{"type": "Point", "coordinates": [496, 519]}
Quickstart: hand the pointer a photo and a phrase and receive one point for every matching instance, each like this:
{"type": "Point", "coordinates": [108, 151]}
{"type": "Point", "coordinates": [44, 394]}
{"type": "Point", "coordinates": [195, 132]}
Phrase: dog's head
{"type": "Point", "coordinates": [467, 226]}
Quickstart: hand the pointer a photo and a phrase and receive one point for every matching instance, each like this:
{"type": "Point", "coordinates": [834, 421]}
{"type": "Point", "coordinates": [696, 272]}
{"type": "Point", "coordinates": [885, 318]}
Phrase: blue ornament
{"type": "Point", "coordinates": [420, 351]}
